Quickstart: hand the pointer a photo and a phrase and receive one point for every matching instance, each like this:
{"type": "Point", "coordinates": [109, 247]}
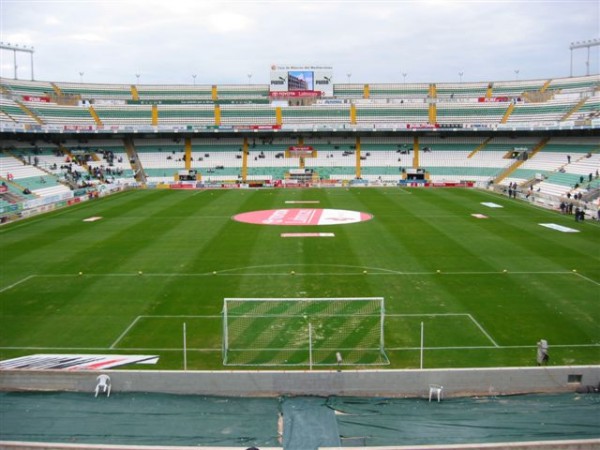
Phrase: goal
{"type": "Point", "coordinates": [303, 331]}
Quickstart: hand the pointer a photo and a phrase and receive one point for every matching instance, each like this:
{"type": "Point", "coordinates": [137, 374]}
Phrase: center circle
{"type": "Point", "coordinates": [303, 216]}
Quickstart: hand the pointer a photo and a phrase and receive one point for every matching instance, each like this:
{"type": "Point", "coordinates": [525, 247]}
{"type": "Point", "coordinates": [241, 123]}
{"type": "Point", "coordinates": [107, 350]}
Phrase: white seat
{"type": "Point", "coordinates": [437, 390]}
{"type": "Point", "coordinates": [103, 385]}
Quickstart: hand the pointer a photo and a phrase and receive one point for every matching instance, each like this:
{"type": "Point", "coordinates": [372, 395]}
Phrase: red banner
{"type": "Point", "coordinates": [78, 127]}
{"type": "Point", "coordinates": [258, 127]}
{"type": "Point", "coordinates": [32, 98]}
{"type": "Point", "coordinates": [493, 99]}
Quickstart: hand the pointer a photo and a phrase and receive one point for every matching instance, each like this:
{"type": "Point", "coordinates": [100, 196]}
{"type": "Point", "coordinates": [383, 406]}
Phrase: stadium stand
{"type": "Point", "coordinates": [492, 133]}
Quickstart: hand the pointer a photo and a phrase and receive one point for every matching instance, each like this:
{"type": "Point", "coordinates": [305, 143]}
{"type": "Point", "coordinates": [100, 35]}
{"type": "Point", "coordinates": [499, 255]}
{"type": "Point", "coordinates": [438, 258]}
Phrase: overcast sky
{"type": "Point", "coordinates": [222, 42]}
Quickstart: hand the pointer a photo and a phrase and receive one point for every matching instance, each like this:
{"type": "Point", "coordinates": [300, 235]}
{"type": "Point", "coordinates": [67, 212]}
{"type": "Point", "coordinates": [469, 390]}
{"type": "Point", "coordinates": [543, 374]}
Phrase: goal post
{"type": "Point", "coordinates": [303, 331]}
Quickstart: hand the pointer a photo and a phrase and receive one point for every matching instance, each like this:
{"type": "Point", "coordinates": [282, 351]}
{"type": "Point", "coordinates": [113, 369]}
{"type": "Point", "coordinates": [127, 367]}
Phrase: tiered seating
{"type": "Point", "coordinates": [572, 145]}
{"type": "Point", "coordinates": [448, 159]}
{"type": "Point", "coordinates": [107, 159]}
{"type": "Point", "coordinates": [45, 190]}
{"type": "Point", "coordinates": [186, 115]}
{"type": "Point", "coordinates": [323, 114]}
{"type": "Point", "coordinates": [562, 162]}
{"type": "Point", "coordinates": [18, 88]}
{"type": "Point", "coordinates": [53, 114]}
{"type": "Point", "coordinates": [516, 88]}
{"type": "Point", "coordinates": [27, 176]}
{"type": "Point", "coordinates": [241, 93]}
{"type": "Point", "coordinates": [12, 113]}
{"type": "Point", "coordinates": [96, 91]}
{"type": "Point", "coordinates": [461, 90]}
{"type": "Point", "coordinates": [541, 165]}
{"type": "Point", "coordinates": [248, 115]}
{"type": "Point", "coordinates": [255, 93]}
{"type": "Point", "coordinates": [174, 92]}
{"type": "Point", "coordinates": [266, 158]}
{"type": "Point", "coordinates": [335, 159]}
{"type": "Point", "coordinates": [124, 115]}
{"type": "Point", "coordinates": [13, 196]}
{"type": "Point", "coordinates": [576, 84]}
{"type": "Point", "coordinates": [15, 169]}
{"type": "Point", "coordinates": [44, 156]}
{"type": "Point", "coordinates": [160, 157]}
{"type": "Point", "coordinates": [585, 166]}
{"type": "Point", "coordinates": [217, 160]}
{"type": "Point", "coordinates": [401, 103]}
{"type": "Point", "coordinates": [590, 109]}
{"type": "Point", "coordinates": [471, 113]}
{"type": "Point", "coordinates": [349, 91]}
{"type": "Point", "coordinates": [383, 158]}
{"type": "Point", "coordinates": [400, 113]}
{"type": "Point", "coordinates": [550, 111]}
{"type": "Point", "coordinates": [403, 91]}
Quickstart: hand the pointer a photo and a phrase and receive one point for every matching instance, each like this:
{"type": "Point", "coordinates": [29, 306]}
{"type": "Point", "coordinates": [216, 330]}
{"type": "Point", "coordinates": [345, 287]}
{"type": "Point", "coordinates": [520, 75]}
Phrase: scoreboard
{"type": "Point", "coordinates": [301, 81]}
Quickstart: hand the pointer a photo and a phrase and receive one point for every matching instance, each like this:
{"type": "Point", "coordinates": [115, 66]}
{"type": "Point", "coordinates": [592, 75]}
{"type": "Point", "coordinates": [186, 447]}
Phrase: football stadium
{"type": "Point", "coordinates": [302, 264]}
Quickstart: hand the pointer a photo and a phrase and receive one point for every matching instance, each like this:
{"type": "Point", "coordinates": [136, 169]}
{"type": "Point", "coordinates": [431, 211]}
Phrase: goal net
{"type": "Point", "coordinates": [303, 331]}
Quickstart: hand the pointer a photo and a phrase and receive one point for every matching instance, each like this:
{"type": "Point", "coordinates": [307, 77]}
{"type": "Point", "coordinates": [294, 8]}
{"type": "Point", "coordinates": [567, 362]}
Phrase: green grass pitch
{"type": "Point", "coordinates": [485, 289]}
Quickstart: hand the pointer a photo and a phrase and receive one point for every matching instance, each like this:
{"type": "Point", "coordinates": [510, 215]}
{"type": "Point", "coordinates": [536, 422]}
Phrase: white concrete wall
{"type": "Point", "coordinates": [372, 383]}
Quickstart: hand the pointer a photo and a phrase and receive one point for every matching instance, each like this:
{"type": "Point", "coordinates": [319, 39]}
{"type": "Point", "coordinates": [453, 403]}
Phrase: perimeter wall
{"type": "Point", "coordinates": [367, 383]}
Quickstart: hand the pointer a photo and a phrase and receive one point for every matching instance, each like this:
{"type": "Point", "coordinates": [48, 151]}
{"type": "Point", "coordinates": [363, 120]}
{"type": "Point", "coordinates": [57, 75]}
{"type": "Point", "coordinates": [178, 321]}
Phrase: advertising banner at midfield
{"type": "Point", "coordinates": [313, 79]}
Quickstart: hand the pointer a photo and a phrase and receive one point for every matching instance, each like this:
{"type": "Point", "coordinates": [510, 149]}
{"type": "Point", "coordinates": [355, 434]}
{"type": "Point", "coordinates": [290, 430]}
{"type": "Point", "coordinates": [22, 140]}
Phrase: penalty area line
{"type": "Point", "coordinates": [104, 349]}
{"type": "Point", "coordinates": [122, 335]}
{"type": "Point", "coordinates": [135, 321]}
{"type": "Point", "coordinates": [482, 347]}
{"type": "Point", "coordinates": [24, 280]}
{"type": "Point", "coordinates": [478, 325]}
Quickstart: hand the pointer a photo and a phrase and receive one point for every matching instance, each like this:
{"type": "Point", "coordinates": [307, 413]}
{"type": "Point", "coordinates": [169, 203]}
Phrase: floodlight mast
{"type": "Point", "coordinates": [15, 48]}
{"type": "Point", "coordinates": [583, 44]}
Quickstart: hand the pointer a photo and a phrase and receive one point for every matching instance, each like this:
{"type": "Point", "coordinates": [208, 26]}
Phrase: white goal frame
{"type": "Point", "coordinates": [304, 326]}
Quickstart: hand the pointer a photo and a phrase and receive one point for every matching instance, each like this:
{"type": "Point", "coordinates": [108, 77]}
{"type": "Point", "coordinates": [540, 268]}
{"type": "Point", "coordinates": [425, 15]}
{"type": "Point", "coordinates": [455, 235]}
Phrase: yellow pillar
{"type": "Point", "coordinates": [507, 113]}
{"type": "Point", "coordinates": [358, 171]}
{"type": "Point", "coordinates": [278, 116]}
{"type": "Point", "coordinates": [301, 164]}
{"type": "Point", "coordinates": [353, 114]}
{"type": "Point", "coordinates": [416, 153]}
{"type": "Point", "coordinates": [217, 115]}
{"type": "Point", "coordinates": [432, 104]}
{"type": "Point", "coordinates": [188, 153]}
{"type": "Point", "coordinates": [95, 116]}
{"type": "Point", "coordinates": [245, 160]}
{"type": "Point", "coordinates": [366, 91]}
{"type": "Point", "coordinates": [214, 93]}
{"type": "Point", "coordinates": [545, 86]}
{"type": "Point", "coordinates": [154, 115]}
{"type": "Point", "coordinates": [432, 113]}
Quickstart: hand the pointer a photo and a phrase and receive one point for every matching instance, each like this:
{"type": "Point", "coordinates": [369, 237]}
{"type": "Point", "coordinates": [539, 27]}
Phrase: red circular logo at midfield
{"type": "Point", "coordinates": [303, 216]}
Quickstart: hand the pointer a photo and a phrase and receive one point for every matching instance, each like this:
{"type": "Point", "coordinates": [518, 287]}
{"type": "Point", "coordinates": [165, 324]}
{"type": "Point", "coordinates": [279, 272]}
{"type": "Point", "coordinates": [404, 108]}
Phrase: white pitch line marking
{"type": "Point", "coordinates": [483, 330]}
{"type": "Point", "coordinates": [131, 325]}
{"type": "Point", "coordinates": [27, 278]}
